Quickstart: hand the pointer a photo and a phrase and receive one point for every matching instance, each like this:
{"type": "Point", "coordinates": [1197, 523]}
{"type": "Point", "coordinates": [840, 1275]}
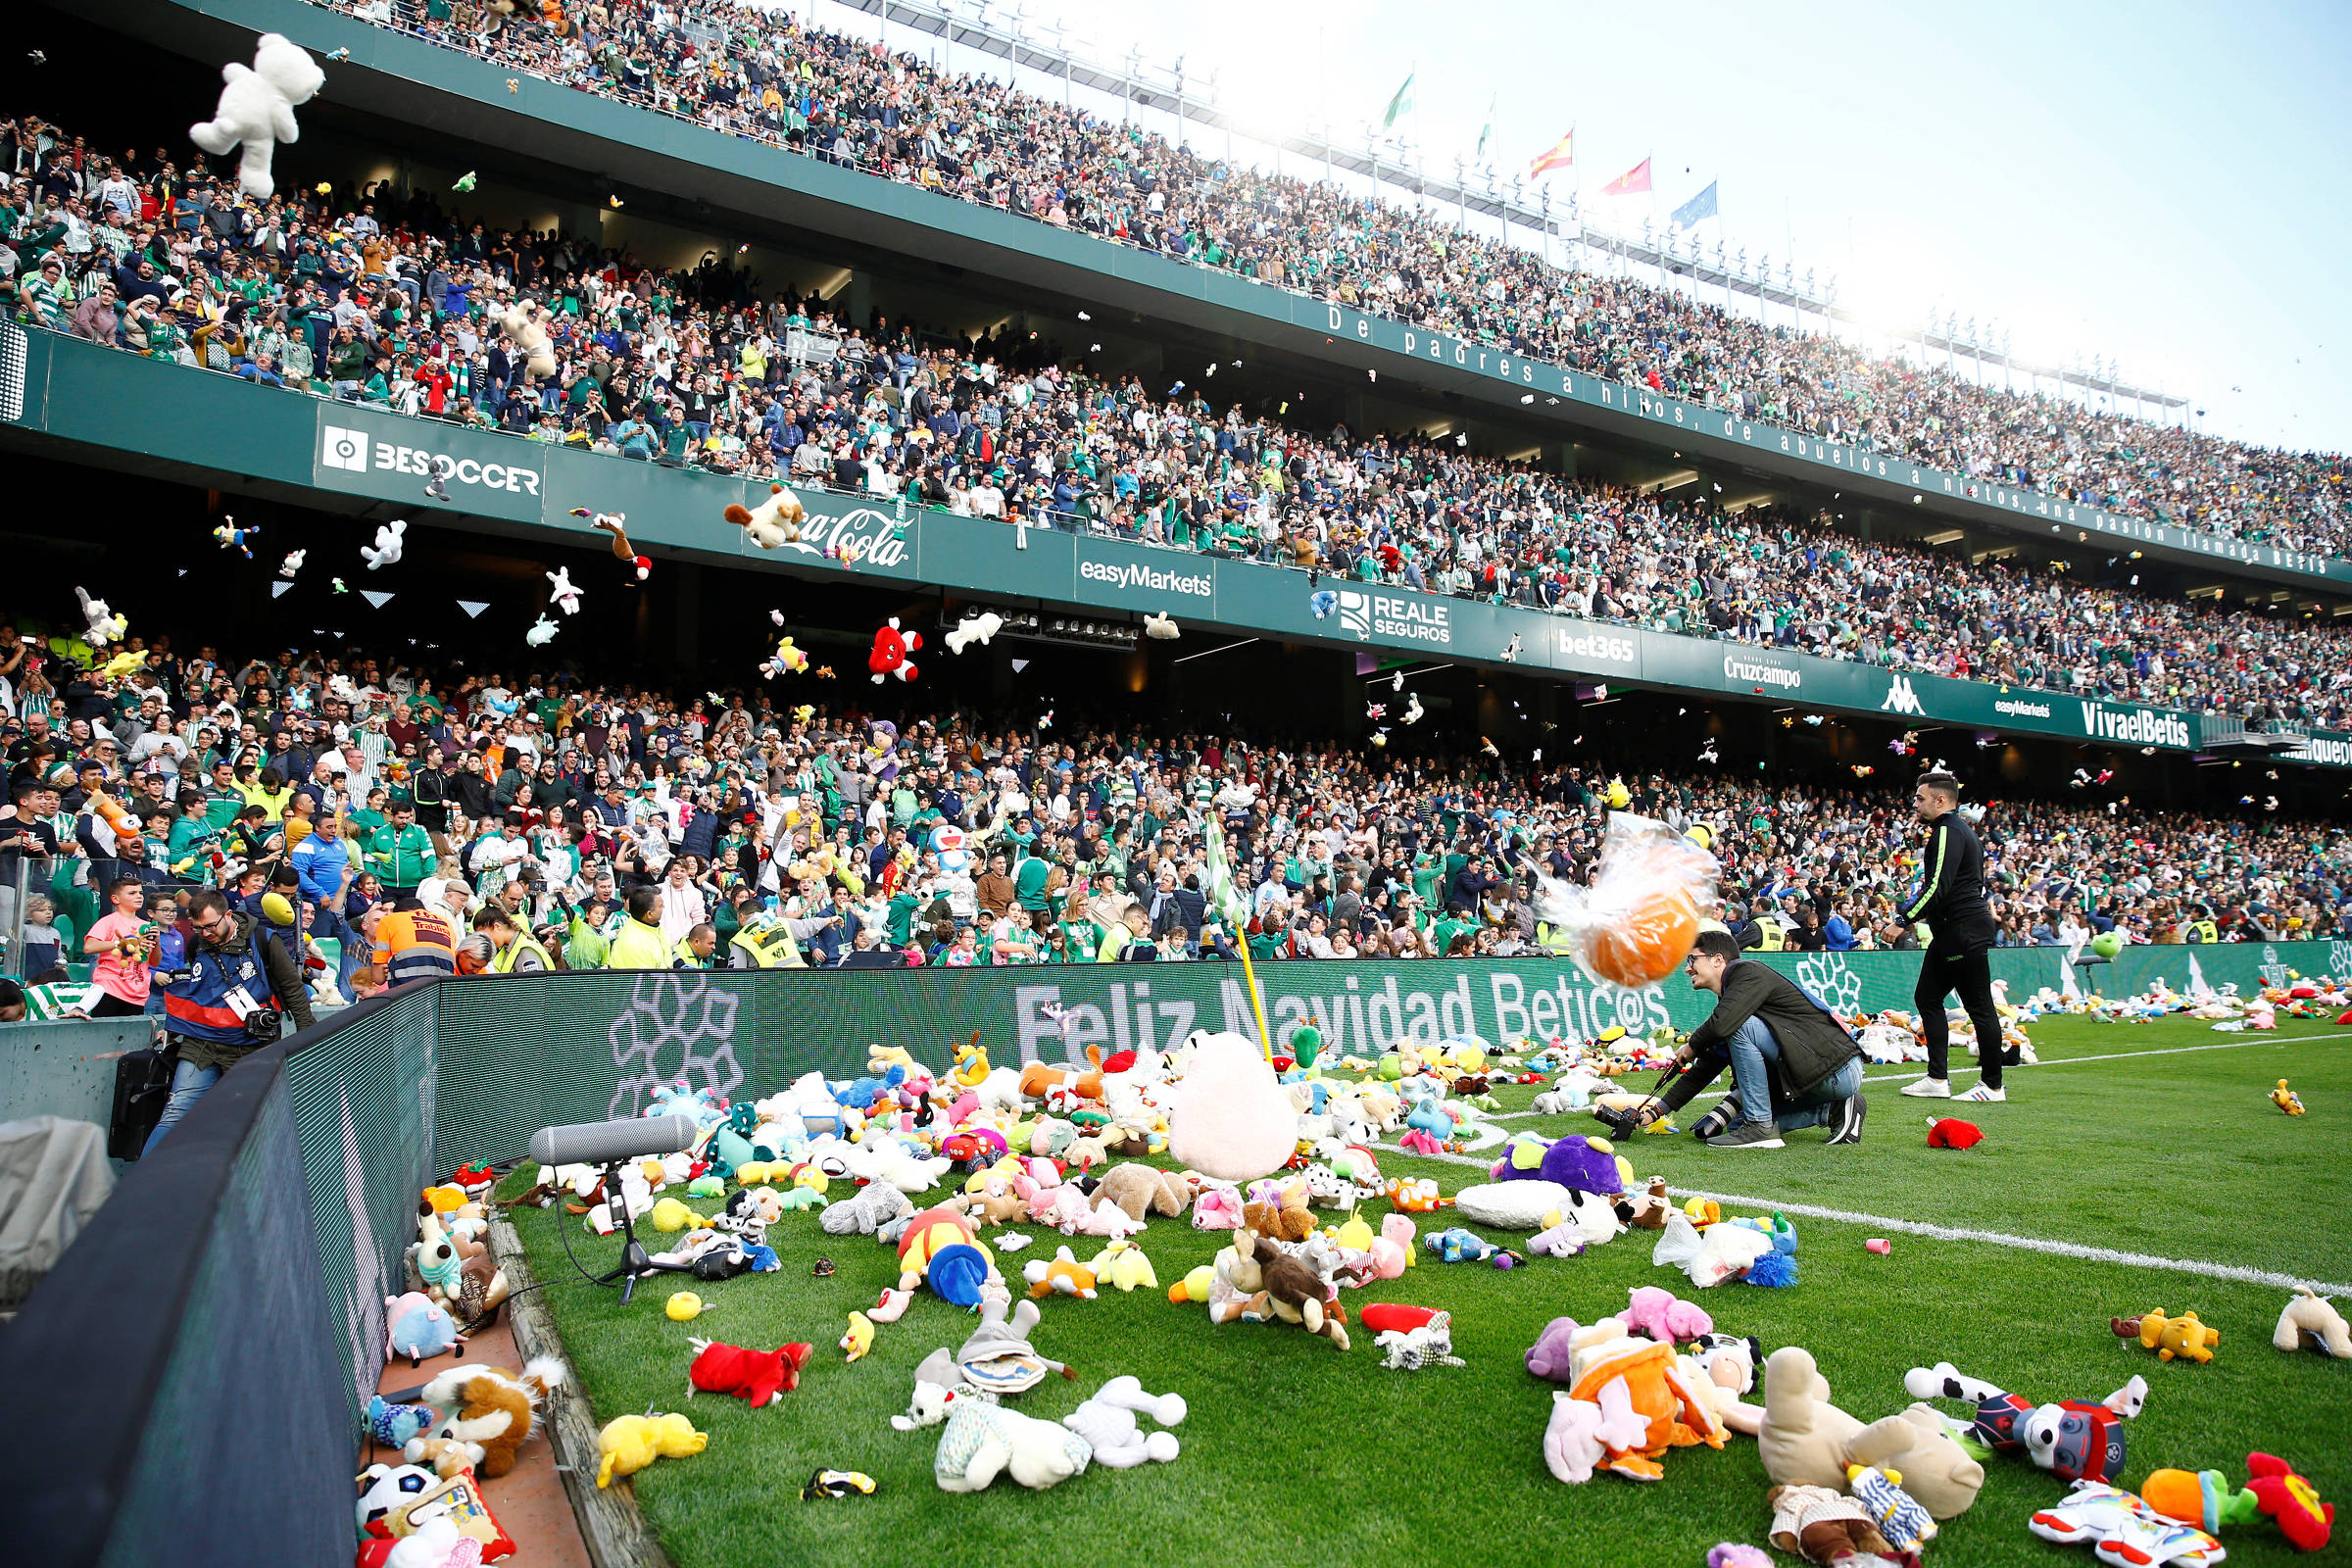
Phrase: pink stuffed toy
{"type": "Point", "coordinates": [1393, 1247]}
{"type": "Point", "coordinates": [1665, 1317]}
{"type": "Point", "coordinates": [1217, 1208]}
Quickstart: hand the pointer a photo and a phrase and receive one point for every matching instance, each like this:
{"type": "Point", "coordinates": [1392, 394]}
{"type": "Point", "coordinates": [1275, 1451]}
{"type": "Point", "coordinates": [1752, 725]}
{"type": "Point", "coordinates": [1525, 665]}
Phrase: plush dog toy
{"type": "Point", "coordinates": [2309, 1321]}
{"type": "Point", "coordinates": [775, 521]}
{"type": "Point", "coordinates": [493, 1408]}
{"type": "Point", "coordinates": [2072, 1438]}
{"type": "Point", "coordinates": [525, 329]}
{"type": "Point", "coordinates": [256, 108]}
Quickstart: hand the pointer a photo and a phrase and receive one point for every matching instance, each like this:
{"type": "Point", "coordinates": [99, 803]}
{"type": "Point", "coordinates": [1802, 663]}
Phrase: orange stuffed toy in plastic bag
{"type": "Point", "coordinates": [1637, 920]}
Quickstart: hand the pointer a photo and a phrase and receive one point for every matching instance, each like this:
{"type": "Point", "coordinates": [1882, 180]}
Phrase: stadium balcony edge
{"type": "Point", "coordinates": [404, 79]}
{"type": "Point", "coordinates": [215, 430]}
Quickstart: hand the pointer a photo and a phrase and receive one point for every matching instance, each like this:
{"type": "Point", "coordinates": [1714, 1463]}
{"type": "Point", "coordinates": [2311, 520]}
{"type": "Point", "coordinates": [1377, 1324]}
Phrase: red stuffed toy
{"type": "Point", "coordinates": [1951, 1132]}
{"type": "Point", "coordinates": [755, 1377]}
{"type": "Point", "coordinates": [891, 648]}
{"type": "Point", "coordinates": [2303, 1519]}
{"type": "Point", "coordinates": [1383, 1316]}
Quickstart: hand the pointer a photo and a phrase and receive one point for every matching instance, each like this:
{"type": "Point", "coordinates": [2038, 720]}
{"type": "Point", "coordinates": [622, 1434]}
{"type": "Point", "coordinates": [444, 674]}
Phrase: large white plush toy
{"type": "Point", "coordinates": [528, 333]}
{"type": "Point", "coordinates": [102, 625]}
{"type": "Point", "coordinates": [563, 591]}
{"type": "Point", "coordinates": [1232, 1120]}
{"type": "Point", "coordinates": [257, 108]}
{"type": "Point", "coordinates": [387, 547]}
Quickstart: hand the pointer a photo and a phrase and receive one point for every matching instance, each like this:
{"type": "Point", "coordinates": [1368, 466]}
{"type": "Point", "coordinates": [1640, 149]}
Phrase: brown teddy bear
{"type": "Point", "coordinates": [493, 1410]}
{"type": "Point", "coordinates": [1285, 1217]}
{"type": "Point", "coordinates": [1143, 1190]}
{"type": "Point", "coordinates": [1294, 1290]}
{"type": "Point", "coordinates": [994, 1200]}
{"type": "Point", "coordinates": [1824, 1527]}
{"type": "Point", "coordinates": [444, 1457]}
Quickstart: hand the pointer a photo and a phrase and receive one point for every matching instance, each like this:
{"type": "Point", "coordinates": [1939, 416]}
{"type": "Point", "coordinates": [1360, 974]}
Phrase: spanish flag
{"type": "Point", "coordinates": [1560, 155]}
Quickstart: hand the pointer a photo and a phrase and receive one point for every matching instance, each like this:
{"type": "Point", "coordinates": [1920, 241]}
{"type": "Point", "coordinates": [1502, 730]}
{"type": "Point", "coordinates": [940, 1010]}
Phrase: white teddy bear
{"type": "Point", "coordinates": [774, 521]}
{"type": "Point", "coordinates": [386, 551]}
{"type": "Point", "coordinates": [102, 625]}
{"type": "Point", "coordinates": [257, 109]}
{"type": "Point", "coordinates": [1107, 1424]}
{"type": "Point", "coordinates": [563, 591]}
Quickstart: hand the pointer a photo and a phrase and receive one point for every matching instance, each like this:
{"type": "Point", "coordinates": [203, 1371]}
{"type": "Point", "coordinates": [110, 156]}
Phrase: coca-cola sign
{"type": "Point", "coordinates": [864, 536]}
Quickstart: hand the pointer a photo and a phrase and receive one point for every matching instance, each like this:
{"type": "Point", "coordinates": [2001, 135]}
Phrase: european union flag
{"type": "Point", "coordinates": [1697, 209]}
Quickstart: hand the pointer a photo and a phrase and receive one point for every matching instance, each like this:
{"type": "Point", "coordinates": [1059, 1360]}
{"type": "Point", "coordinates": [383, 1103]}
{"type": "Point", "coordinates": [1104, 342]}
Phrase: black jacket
{"type": "Point", "coordinates": [1950, 897]}
{"type": "Point", "coordinates": [1813, 1043]}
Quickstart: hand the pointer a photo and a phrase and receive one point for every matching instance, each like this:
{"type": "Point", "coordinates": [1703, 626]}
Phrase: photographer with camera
{"type": "Point", "coordinates": [225, 995]}
{"type": "Point", "coordinates": [1793, 1063]}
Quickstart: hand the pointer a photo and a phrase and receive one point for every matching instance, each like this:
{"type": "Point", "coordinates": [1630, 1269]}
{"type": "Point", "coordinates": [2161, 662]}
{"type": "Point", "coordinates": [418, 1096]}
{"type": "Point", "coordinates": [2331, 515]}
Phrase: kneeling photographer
{"type": "Point", "coordinates": [1793, 1063]}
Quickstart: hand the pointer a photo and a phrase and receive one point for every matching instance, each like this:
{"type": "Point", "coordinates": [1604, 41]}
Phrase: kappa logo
{"type": "Point", "coordinates": [1356, 614]}
{"type": "Point", "coordinates": [1900, 698]}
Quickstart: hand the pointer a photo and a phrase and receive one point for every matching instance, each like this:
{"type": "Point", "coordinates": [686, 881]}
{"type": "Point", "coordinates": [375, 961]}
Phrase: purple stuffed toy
{"type": "Point", "coordinates": [1550, 1356]}
{"type": "Point", "coordinates": [1580, 1164]}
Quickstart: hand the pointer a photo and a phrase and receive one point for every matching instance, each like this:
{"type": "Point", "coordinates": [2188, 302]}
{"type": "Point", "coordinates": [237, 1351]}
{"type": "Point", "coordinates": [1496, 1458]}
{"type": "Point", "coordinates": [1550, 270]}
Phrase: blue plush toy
{"type": "Point", "coordinates": [1433, 1118]}
{"type": "Point", "coordinates": [1782, 1234]}
{"type": "Point", "coordinates": [1773, 1268]}
{"type": "Point", "coordinates": [415, 1328]}
{"type": "Point", "coordinates": [1898, 1515]}
{"type": "Point", "coordinates": [859, 1094]}
{"type": "Point", "coordinates": [1458, 1245]}
{"type": "Point", "coordinates": [391, 1425]}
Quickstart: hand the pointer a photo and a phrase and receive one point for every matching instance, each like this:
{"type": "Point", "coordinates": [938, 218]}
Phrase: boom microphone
{"type": "Point", "coordinates": [604, 1143]}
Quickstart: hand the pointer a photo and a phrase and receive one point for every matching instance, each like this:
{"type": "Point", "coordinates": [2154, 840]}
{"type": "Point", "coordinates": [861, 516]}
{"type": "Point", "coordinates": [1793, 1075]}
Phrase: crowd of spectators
{"type": "Point", "coordinates": [763, 71]}
{"type": "Point", "coordinates": [560, 822]}
{"type": "Point", "coordinates": [395, 302]}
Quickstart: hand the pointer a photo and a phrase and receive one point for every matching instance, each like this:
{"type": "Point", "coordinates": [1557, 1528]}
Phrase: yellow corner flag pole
{"type": "Point", "coordinates": [1236, 913]}
{"type": "Point", "coordinates": [1265, 1041]}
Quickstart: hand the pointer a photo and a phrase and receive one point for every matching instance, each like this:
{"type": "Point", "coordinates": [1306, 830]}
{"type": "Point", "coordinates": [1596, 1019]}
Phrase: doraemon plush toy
{"type": "Point", "coordinates": [948, 843]}
{"type": "Point", "coordinates": [256, 111]}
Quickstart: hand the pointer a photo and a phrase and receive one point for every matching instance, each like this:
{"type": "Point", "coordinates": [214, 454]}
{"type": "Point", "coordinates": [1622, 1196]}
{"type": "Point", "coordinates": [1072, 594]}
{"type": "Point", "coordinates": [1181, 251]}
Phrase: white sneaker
{"type": "Point", "coordinates": [1929, 1088]}
{"type": "Point", "coordinates": [1982, 1095]}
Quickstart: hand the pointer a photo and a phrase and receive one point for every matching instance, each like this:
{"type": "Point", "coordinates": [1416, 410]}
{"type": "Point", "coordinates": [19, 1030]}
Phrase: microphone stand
{"type": "Point", "coordinates": [634, 1263]}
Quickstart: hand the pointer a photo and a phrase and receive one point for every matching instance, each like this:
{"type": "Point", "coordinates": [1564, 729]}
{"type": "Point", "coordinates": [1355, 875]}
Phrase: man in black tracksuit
{"type": "Point", "coordinates": [1950, 898]}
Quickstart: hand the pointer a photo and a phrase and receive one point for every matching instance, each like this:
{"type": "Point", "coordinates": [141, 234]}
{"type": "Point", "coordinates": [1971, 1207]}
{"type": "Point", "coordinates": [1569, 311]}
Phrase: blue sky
{"type": "Point", "coordinates": [2155, 183]}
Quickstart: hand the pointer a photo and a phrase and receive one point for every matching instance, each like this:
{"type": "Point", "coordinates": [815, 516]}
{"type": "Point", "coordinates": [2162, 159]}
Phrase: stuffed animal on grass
{"type": "Point", "coordinates": [1722, 1252]}
{"type": "Point", "coordinates": [1143, 1190]}
{"type": "Point", "coordinates": [1123, 1265]}
{"type": "Point", "coordinates": [1665, 1317]}
{"type": "Point", "coordinates": [1824, 1525]}
{"type": "Point", "coordinates": [2073, 1440]}
{"type": "Point", "coordinates": [755, 1377]}
{"type": "Point", "coordinates": [2311, 1322]}
{"type": "Point", "coordinates": [983, 1441]}
{"type": "Point", "coordinates": [997, 1358]}
{"type": "Point", "coordinates": [1900, 1516]}
{"type": "Point", "coordinates": [1108, 1422]}
{"type": "Point", "coordinates": [2119, 1527]}
{"type": "Point", "coordinates": [874, 1207]}
{"type": "Point", "coordinates": [1631, 1401]}
{"type": "Point", "coordinates": [1951, 1132]}
{"type": "Point", "coordinates": [630, 1442]}
{"type": "Point", "coordinates": [1231, 1119]}
{"type": "Point", "coordinates": [1458, 1245]}
{"type": "Point", "coordinates": [778, 521]}
{"type": "Point", "coordinates": [491, 1409]}
{"type": "Point", "coordinates": [1294, 1293]}
{"type": "Point", "coordinates": [2182, 1337]}
{"type": "Point", "coordinates": [256, 108]}
{"type": "Point", "coordinates": [1282, 1214]}
{"type": "Point", "coordinates": [1805, 1440]}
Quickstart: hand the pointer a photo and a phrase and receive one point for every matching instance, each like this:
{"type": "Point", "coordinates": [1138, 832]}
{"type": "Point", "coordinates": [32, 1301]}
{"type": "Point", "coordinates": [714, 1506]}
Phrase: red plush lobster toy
{"type": "Point", "coordinates": [755, 1377]}
{"type": "Point", "coordinates": [891, 648]}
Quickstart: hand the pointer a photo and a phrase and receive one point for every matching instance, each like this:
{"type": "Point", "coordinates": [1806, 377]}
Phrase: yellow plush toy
{"type": "Point", "coordinates": [630, 1442]}
{"type": "Point", "coordinates": [2183, 1338]}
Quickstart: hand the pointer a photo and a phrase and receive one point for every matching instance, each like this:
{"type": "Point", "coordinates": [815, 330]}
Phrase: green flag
{"type": "Point", "coordinates": [1400, 104]}
{"type": "Point", "coordinates": [1223, 896]}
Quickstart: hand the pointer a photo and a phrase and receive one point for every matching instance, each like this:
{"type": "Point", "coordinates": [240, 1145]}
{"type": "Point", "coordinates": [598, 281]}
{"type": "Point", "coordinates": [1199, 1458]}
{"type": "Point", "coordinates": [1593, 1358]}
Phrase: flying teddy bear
{"type": "Point", "coordinates": [981, 628]}
{"type": "Point", "coordinates": [256, 108]}
{"type": "Point", "coordinates": [388, 543]}
{"type": "Point", "coordinates": [775, 521]}
{"type": "Point", "coordinates": [527, 331]}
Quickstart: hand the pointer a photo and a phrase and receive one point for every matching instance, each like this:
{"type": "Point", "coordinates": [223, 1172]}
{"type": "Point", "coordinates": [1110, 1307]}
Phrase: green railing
{"type": "Point", "coordinates": [228, 432]}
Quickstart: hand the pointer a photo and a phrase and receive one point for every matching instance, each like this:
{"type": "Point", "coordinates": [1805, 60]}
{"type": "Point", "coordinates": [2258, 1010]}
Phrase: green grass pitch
{"type": "Point", "coordinates": [1295, 1450]}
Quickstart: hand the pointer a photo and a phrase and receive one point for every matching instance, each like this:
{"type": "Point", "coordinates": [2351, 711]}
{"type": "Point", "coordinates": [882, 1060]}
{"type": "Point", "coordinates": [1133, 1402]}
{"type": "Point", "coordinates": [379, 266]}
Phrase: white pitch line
{"type": "Point", "coordinates": [1916, 1068]}
{"type": "Point", "coordinates": [1952, 1233]}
